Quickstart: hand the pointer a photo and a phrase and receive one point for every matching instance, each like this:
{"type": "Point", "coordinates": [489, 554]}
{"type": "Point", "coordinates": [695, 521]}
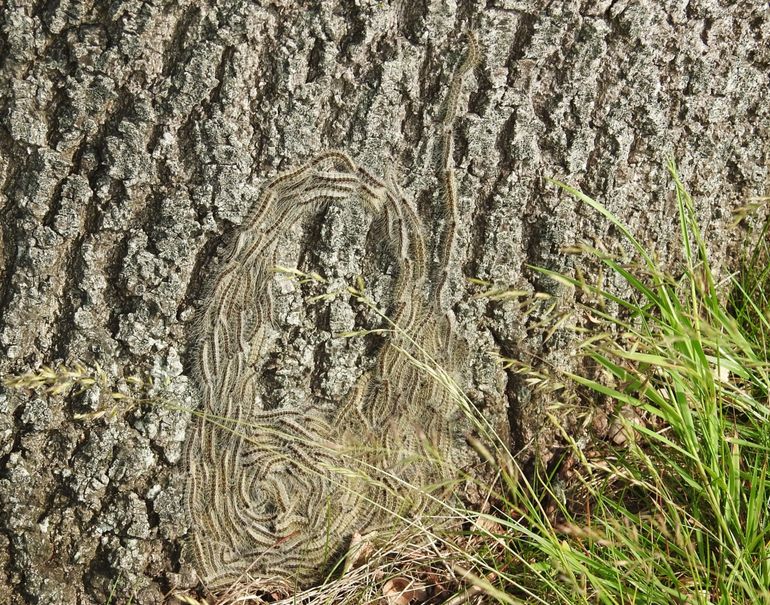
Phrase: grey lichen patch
{"type": "Point", "coordinates": [6, 426]}
{"type": "Point", "coordinates": [108, 464]}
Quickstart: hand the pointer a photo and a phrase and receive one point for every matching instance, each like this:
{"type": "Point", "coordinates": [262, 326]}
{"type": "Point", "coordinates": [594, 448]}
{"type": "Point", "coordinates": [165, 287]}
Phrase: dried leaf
{"type": "Point", "coordinates": [360, 551]}
{"type": "Point", "coordinates": [403, 591]}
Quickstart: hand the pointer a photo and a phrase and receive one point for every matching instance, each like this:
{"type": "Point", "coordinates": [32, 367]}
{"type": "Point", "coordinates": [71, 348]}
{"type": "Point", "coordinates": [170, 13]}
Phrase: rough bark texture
{"type": "Point", "coordinates": [135, 136]}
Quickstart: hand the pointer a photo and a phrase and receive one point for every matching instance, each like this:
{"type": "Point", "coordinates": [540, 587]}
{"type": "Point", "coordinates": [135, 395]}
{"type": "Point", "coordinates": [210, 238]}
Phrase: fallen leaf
{"type": "Point", "coordinates": [360, 551]}
{"type": "Point", "coordinates": [403, 591]}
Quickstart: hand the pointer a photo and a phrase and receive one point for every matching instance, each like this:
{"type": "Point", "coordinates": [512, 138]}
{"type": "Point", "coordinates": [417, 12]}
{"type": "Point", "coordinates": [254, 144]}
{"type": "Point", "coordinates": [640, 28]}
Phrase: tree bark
{"type": "Point", "coordinates": [135, 138]}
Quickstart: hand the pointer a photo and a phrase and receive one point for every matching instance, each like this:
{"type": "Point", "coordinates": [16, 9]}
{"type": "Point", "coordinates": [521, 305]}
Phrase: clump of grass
{"type": "Point", "coordinates": [680, 512]}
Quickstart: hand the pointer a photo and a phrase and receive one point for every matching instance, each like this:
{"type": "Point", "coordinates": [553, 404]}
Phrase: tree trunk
{"type": "Point", "coordinates": [135, 139]}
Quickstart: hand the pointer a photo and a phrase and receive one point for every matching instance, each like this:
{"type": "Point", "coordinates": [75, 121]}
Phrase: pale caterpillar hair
{"type": "Point", "coordinates": [278, 493]}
